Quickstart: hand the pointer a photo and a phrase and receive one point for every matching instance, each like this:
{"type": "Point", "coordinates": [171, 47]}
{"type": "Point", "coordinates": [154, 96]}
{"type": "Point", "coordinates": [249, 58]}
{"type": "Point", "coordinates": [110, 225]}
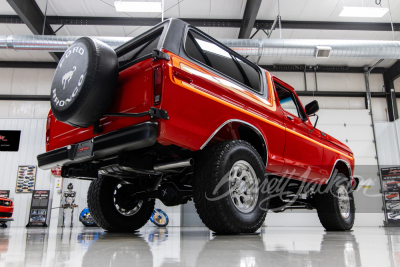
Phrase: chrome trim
{"type": "Point", "coordinates": [348, 166]}
{"type": "Point", "coordinates": [240, 121]}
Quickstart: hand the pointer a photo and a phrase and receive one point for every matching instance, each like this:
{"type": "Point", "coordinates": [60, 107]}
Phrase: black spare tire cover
{"type": "Point", "coordinates": [84, 82]}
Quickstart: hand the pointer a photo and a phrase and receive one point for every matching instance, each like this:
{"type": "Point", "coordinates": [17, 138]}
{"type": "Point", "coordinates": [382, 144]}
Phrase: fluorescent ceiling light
{"type": "Point", "coordinates": [137, 6]}
{"type": "Point", "coordinates": [363, 12]}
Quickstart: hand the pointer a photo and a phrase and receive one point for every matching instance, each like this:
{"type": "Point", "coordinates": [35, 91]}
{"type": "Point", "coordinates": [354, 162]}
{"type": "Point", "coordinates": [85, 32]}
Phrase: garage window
{"type": "Point", "coordinates": [209, 53]}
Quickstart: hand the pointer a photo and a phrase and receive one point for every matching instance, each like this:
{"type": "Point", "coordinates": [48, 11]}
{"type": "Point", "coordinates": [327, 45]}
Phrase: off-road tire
{"type": "Point", "coordinates": [327, 205]}
{"type": "Point", "coordinates": [104, 213]}
{"type": "Point", "coordinates": [221, 216]}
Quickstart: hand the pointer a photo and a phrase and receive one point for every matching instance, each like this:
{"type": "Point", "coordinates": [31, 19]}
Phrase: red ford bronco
{"type": "Point", "coordinates": [175, 115]}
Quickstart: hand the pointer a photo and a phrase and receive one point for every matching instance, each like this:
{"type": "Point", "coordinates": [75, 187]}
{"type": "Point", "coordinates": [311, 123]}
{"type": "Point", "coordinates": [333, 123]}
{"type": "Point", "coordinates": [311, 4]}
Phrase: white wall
{"type": "Point", "coordinates": [388, 139]}
{"type": "Point", "coordinates": [24, 109]}
{"type": "Point", "coordinates": [21, 81]}
{"type": "Point", "coordinates": [396, 85]}
{"type": "Point", "coordinates": [32, 143]}
{"type": "Point", "coordinates": [352, 82]}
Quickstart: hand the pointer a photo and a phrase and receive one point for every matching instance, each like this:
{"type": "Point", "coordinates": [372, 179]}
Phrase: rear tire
{"type": "Point", "coordinates": [113, 217]}
{"type": "Point", "coordinates": [334, 211]}
{"type": "Point", "coordinates": [222, 177]}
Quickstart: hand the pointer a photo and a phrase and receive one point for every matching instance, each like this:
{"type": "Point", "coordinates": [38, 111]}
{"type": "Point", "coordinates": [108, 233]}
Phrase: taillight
{"type": "Point", "coordinates": [48, 132]}
{"type": "Point", "coordinates": [157, 85]}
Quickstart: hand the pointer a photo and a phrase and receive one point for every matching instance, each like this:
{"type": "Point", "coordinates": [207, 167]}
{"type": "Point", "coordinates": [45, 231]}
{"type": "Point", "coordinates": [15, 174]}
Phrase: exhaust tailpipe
{"type": "Point", "coordinates": [173, 165]}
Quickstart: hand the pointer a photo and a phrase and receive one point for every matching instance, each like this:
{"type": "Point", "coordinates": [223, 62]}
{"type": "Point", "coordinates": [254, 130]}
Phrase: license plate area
{"type": "Point", "coordinates": [84, 149]}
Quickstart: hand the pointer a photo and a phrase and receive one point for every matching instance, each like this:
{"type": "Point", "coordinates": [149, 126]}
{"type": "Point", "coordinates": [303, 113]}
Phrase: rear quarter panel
{"type": "Point", "coordinates": [198, 107]}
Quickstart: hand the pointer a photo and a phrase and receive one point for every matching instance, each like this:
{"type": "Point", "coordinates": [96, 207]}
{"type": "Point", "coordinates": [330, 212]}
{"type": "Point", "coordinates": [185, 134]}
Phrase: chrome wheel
{"type": "Point", "coordinates": [124, 203]}
{"type": "Point", "coordinates": [344, 202]}
{"type": "Point", "coordinates": [243, 186]}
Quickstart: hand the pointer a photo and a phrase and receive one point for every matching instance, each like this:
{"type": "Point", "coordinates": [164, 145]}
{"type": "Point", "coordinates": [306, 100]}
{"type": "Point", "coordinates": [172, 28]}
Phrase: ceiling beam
{"type": "Point", "coordinates": [25, 97]}
{"type": "Point", "coordinates": [28, 65]}
{"type": "Point", "coordinates": [30, 13]}
{"type": "Point", "coordinates": [223, 23]}
{"type": "Point", "coordinates": [249, 18]}
{"type": "Point", "coordinates": [273, 68]}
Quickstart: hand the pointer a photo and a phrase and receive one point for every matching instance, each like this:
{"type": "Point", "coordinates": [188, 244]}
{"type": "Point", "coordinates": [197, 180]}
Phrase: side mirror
{"type": "Point", "coordinates": [312, 107]}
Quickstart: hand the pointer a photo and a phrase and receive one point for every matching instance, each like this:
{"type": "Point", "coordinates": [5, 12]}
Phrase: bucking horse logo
{"type": "Point", "coordinates": [67, 76]}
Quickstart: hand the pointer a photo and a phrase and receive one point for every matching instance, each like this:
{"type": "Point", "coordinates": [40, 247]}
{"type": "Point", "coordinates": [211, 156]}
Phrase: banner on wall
{"type": "Point", "coordinates": [26, 179]}
{"type": "Point", "coordinates": [9, 140]}
{"type": "Point", "coordinates": [39, 208]}
{"type": "Point", "coordinates": [391, 191]}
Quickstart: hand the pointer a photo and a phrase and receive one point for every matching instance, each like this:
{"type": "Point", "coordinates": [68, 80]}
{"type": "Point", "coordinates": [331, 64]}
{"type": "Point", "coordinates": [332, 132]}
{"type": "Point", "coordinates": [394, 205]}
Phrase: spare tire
{"type": "Point", "coordinates": [84, 82]}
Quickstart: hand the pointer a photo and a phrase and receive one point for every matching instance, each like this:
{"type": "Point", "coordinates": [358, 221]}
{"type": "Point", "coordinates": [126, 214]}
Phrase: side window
{"type": "Point", "coordinates": [193, 49]}
{"type": "Point", "coordinates": [142, 48]}
{"type": "Point", "coordinates": [287, 100]}
{"type": "Point", "coordinates": [252, 75]}
{"type": "Point", "coordinates": [221, 60]}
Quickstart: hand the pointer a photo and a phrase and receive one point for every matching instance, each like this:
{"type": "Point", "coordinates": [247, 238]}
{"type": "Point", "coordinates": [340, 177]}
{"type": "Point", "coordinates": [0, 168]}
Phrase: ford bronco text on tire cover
{"type": "Point", "coordinates": [175, 115]}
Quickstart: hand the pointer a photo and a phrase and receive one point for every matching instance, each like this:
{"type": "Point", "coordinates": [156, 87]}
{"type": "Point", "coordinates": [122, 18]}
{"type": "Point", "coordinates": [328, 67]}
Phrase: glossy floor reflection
{"type": "Point", "coordinates": [174, 246]}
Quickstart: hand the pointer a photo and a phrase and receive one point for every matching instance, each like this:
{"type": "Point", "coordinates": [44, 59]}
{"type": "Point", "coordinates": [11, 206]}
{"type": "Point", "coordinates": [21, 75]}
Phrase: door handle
{"type": "Point", "coordinates": [323, 134]}
{"type": "Point", "coordinates": [289, 117]}
{"type": "Point", "coordinates": [183, 77]}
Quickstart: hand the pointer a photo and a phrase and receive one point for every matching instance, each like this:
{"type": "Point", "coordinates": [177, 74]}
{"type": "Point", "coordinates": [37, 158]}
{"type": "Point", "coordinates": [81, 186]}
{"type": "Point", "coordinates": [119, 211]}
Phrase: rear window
{"type": "Point", "coordinates": [209, 53]}
{"type": "Point", "coordinates": [139, 49]}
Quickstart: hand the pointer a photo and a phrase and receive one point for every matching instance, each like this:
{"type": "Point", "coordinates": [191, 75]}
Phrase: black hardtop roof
{"type": "Point", "coordinates": [172, 32]}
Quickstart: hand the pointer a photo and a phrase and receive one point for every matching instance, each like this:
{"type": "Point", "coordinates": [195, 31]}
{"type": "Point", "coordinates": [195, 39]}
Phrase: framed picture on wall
{"type": "Point", "coordinates": [9, 140]}
{"type": "Point", "coordinates": [26, 179]}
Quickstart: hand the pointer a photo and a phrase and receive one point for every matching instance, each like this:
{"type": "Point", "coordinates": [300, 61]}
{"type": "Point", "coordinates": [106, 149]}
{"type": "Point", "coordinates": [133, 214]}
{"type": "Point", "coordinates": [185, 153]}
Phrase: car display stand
{"type": "Point", "coordinates": [391, 191]}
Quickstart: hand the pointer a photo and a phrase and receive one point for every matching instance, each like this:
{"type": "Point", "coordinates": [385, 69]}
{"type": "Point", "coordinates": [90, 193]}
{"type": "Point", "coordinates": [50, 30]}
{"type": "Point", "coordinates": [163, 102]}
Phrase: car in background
{"type": "Point", "coordinates": [6, 211]}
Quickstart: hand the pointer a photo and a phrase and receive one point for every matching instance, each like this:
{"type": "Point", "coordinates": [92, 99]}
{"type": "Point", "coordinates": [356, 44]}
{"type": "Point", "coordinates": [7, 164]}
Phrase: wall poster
{"type": "Point", "coordinates": [9, 140]}
{"type": "Point", "coordinates": [26, 179]}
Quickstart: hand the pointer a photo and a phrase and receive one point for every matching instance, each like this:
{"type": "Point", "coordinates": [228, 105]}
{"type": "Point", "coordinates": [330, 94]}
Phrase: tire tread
{"type": "Point", "coordinates": [212, 212]}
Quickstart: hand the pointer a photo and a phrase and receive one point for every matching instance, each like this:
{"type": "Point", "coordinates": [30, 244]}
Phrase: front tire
{"type": "Point", "coordinates": [113, 209]}
{"type": "Point", "coordinates": [335, 205]}
{"type": "Point", "coordinates": [230, 188]}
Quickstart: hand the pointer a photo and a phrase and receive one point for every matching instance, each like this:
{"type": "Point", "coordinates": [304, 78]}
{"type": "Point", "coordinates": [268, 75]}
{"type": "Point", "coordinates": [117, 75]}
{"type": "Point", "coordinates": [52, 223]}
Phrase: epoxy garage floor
{"type": "Point", "coordinates": [174, 246]}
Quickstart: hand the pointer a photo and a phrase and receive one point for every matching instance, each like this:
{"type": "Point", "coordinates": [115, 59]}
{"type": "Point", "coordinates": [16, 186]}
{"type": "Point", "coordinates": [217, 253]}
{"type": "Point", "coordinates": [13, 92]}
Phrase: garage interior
{"type": "Point", "coordinates": [358, 97]}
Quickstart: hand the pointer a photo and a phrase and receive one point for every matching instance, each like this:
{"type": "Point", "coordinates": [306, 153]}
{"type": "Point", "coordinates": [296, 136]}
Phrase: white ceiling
{"type": "Point", "coordinates": [306, 10]}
